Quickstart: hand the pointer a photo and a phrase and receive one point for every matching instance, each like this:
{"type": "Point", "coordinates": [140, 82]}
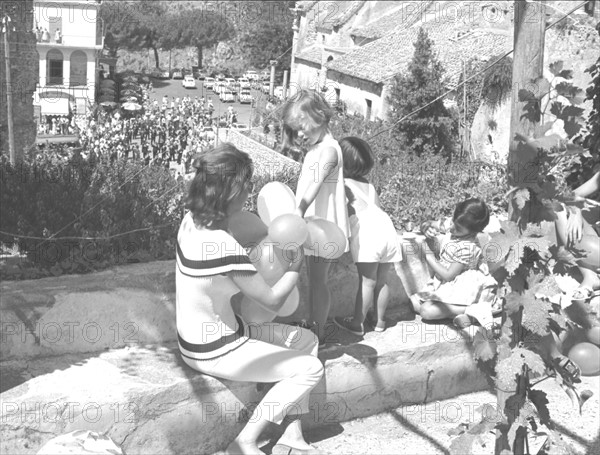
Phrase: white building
{"type": "Point", "coordinates": [69, 42]}
{"type": "Point", "coordinates": [351, 50]}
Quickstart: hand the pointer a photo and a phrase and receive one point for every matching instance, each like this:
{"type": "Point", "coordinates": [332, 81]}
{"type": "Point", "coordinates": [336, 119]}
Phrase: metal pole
{"type": "Point", "coordinates": [9, 110]}
{"type": "Point", "coordinates": [272, 83]}
{"type": "Point", "coordinates": [285, 83]}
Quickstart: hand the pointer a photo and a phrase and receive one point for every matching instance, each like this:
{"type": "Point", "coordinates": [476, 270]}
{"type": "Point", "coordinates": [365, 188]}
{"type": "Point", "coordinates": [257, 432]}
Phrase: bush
{"type": "Point", "coordinates": [426, 188]}
{"type": "Point", "coordinates": [85, 215]}
{"type": "Point", "coordinates": [416, 188]}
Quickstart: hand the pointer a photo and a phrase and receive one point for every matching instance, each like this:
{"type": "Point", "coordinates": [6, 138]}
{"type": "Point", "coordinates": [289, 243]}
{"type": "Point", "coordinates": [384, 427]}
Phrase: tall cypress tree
{"type": "Point", "coordinates": [432, 128]}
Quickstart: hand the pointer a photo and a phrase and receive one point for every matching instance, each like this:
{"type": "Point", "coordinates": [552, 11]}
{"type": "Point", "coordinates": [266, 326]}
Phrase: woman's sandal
{"type": "Point", "coordinates": [566, 368]}
{"type": "Point", "coordinates": [284, 449]}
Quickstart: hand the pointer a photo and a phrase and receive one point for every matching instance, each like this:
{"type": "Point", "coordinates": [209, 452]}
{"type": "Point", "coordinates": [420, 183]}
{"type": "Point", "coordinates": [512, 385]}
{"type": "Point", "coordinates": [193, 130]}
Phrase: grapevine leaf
{"type": "Point", "coordinates": [572, 111]}
{"type": "Point", "coordinates": [566, 74]}
{"type": "Point", "coordinates": [566, 89]}
{"type": "Point", "coordinates": [484, 426]}
{"type": "Point", "coordinates": [526, 95]}
{"type": "Point", "coordinates": [535, 314]}
{"type": "Point", "coordinates": [572, 128]}
{"type": "Point", "coordinates": [483, 347]}
{"type": "Point", "coordinates": [521, 197]}
{"type": "Point", "coordinates": [556, 67]}
{"type": "Point", "coordinates": [543, 86]}
{"type": "Point", "coordinates": [540, 400]}
{"type": "Point", "coordinates": [556, 109]}
{"type": "Point", "coordinates": [548, 287]}
{"type": "Point", "coordinates": [460, 429]}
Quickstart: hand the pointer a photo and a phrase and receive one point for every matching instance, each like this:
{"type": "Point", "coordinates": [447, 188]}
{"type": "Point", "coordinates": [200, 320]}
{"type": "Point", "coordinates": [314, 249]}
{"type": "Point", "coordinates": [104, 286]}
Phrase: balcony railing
{"type": "Point", "coordinates": [69, 40]}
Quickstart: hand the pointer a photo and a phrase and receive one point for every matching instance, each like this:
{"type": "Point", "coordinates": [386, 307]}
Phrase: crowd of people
{"type": "Point", "coordinates": [159, 133]}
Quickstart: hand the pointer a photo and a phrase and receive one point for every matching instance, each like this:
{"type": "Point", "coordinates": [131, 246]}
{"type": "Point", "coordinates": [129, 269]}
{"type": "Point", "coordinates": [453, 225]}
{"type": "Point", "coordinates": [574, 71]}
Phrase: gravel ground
{"type": "Point", "coordinates": [423, 430]}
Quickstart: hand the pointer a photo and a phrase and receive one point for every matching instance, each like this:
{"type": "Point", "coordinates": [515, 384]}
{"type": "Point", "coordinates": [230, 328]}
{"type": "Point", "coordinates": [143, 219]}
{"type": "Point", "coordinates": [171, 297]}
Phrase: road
{"type": "Point", "coordinates": [173, 87]}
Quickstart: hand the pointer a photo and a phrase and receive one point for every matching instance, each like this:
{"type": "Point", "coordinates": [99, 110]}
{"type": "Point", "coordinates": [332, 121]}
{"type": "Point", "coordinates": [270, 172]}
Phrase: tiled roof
{"type": "Point", "coordinates": [337, 13]}
{"type": "Point", "coordinates": [306, 5]}
{"type": "Point", "coordinates": [312, 54]}
{"type": "Point", "coordinates": [404, 17]}
{"type": "Point", "coordinates": [382, 59]}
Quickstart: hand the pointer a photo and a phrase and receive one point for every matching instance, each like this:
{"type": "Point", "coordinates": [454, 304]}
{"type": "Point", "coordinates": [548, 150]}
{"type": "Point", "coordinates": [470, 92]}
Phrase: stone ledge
{"type": "Point", "coordinates": [149, 401]}
{"type": "Point", "coordinates": [125, 306]}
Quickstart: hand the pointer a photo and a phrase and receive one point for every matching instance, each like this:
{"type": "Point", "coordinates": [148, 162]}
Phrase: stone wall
{"type": "Point", "coordinates": [266, 161]}
{"type": "Point", "coordinates": [24, 72]}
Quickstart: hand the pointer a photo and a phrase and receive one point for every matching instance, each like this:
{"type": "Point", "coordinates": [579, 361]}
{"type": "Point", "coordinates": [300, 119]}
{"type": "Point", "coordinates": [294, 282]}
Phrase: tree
{"type": "Point", "coordinates": [269, 35]}
{"type": "Point", "coordinates": [431, 128]}
{"type": "Point", "coordinates": [135, 25]}
{"type": "Point", "coordinates": [197, 27]}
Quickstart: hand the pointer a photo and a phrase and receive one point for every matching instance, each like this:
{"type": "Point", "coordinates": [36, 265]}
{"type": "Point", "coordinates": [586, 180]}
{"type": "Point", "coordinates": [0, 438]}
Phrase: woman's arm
{"type": "Point", "coordinates": [327, 162]}
{"type": "Point", "coordinates": [445, 274]}
{"type": "Point", "coordinates": [271, 298]}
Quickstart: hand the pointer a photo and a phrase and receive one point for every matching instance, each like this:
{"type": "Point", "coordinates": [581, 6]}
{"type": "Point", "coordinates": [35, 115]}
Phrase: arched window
{"type": "Point", "coordinates": [54, 64]}
{"type": "Point", "coordinates": [78, 68]}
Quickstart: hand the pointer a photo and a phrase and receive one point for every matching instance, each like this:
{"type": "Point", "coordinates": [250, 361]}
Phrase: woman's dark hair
{"type": "Point", "coordinates": [357, 156]}
{"type": "Point", "coordinates": [305, 109]}
{"type": "Point", "coordinates": [472, 214]}
{"type": "Point", "coordinates": [221, 175]}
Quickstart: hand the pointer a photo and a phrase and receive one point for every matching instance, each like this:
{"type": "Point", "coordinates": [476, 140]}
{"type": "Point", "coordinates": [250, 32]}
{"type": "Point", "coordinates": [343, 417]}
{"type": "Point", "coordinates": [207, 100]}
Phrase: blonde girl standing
{"type": "Point", "coordinates": [320, 190]}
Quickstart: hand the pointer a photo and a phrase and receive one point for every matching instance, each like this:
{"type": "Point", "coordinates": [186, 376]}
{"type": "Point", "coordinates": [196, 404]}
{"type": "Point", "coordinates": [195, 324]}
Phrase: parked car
{"type": "Point", "coordinates": [189, 82]}
{"type": "Point", "coordinates": [230, 82]}
{"type": "Point", "coordinates": [227, 96]}
{"type": "Point", "coordinates": [244, 82]}
{"type": "Point", "coordinates": [251, 75]}
{"type": "Point", "coordinates": [199, 75]}
{"type": "Point", "coordinates": [246, 97]}
{"type": "Point", "coordinates": [209, 83]}
{"type": "Point", "coordinates": [219, 82]}
{"type": "Point", "coordinates": [266, 86]}
{"type": "Point", "coordinates": [177, 74]}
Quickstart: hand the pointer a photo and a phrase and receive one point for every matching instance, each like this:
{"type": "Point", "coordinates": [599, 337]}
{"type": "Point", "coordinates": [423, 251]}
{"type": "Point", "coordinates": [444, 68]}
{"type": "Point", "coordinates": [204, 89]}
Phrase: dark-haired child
{"type": "Point", "coordinates": [462, 283]}
{"type": "Point", "coordinates": [212, 267]}
{"type": "Point", "coordinates": [373, 239]}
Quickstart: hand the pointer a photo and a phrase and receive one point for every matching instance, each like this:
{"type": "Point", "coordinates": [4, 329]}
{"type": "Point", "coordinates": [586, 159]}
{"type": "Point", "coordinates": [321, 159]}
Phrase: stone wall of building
{"type": "Point", "coordinates": [24, 63]}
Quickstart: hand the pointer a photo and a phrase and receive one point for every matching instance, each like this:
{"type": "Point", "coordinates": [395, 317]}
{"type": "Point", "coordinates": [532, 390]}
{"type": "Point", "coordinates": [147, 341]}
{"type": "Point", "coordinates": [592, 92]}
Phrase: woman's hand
{"type": "Point", "coordinates": [297, 258]}
{"type": "Point", "coordinates": [574, 226]}
{"type": "Point", "coordinates": [428, 229]}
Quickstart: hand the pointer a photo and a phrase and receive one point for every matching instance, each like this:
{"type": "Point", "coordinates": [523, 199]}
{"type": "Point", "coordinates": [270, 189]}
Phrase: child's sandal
{"type": "Point", "coordinates": [566, 368]}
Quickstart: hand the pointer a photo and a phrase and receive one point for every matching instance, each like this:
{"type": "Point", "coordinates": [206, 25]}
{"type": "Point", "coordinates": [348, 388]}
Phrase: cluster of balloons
{"type": "Point", "coordinates": [273, 239]}
{"type": "Point", "coordinates": [586, 354]}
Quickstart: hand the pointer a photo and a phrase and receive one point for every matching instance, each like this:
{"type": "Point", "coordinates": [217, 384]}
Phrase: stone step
{"type": "Point", "coordinates": [148, 401]}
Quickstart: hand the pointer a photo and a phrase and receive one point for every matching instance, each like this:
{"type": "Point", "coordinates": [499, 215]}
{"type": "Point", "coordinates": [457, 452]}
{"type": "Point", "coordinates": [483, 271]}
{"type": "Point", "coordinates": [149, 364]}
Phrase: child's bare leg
{"type": "Point", "coordinates": [433, 310]}
{"type": "Point", "coordinates": [320, 298]}
{"type": "Point", "coordinates": [367, 280]}
{"type": "Point", "coordinates": [382, 293]}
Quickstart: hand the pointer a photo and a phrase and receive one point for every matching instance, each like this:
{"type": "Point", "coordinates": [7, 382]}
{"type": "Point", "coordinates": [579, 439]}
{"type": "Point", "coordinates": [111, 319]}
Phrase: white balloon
{"type": "Point", "coordinates": [275, 199]}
